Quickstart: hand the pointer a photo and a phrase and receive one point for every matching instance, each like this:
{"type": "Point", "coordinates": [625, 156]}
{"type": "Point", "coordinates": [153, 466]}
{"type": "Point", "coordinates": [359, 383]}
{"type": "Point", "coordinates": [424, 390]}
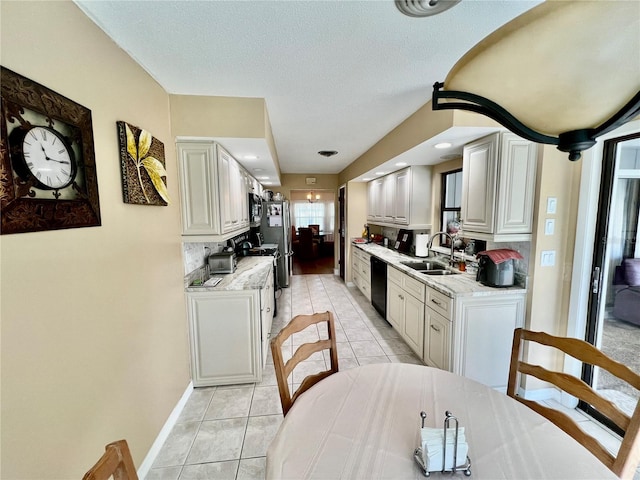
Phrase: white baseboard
{"type": "Point", "coordinates": [351, 284]}
{"type": "Point", "coordinates": [336, 271]}
{"type": "Point", "coordinates": [164, 433]}
{"type": "Point", "coordinates": [540, 394]}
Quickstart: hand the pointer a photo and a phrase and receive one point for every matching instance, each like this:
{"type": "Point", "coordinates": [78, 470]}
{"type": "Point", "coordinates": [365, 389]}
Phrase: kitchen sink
{"type": "Point", "coordinates": [439, 272]}
{"type": "Point", "coordinates": [426, 265]}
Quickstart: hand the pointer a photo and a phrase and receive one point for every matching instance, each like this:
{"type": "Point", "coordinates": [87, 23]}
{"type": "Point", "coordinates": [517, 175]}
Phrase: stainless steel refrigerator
{"type": "Point", "coordinates": [276, 228]}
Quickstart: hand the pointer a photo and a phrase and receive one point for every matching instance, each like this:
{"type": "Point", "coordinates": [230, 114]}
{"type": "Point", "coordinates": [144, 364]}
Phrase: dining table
{"type": "Point", "coordinates": [364, 423]}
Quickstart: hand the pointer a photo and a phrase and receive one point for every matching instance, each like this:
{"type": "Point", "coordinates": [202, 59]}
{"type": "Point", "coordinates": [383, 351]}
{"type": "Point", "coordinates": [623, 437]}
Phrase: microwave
{"type": "Point", "coordinates": [255, 210]}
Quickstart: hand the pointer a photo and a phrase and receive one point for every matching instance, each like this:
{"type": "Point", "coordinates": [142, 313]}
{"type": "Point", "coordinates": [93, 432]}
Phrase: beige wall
{"type": "Point", "coordinates": [295, 181]}
{"type": "Point", "coordinates": [233, 117]}
{"type": "Point", "coordinates": [94, 335]}
{"type": "Point", "coordinates": [436, 188]}
{"type": "Point", "coordinates": [356, 213]}
{"type": "Point", "coordinates": [548, 295]}
{"type": "Point", "coordinates": [416, 129]}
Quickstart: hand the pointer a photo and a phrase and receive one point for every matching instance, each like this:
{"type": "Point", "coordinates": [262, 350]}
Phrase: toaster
{"type": "Point", "coordinates": [223, 262]}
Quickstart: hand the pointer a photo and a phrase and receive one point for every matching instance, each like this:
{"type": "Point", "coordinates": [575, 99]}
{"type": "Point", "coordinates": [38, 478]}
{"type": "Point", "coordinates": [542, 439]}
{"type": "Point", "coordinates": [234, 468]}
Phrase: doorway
{"type": "Point", "coordinates": [613, 314]}
{"type": "Point", "coordinates": [341, 230]}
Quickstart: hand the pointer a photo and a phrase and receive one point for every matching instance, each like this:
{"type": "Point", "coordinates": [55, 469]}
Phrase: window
{"type": "Point", "coordinates": [317, 213]}
{"type": "Point", "coordinates": [451, 200]}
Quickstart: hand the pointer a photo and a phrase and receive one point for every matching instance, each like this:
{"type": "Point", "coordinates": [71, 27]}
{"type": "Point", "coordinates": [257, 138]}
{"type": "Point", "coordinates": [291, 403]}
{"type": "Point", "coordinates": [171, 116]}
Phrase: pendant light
{"type": "Point", "coordinates": [562, 73]}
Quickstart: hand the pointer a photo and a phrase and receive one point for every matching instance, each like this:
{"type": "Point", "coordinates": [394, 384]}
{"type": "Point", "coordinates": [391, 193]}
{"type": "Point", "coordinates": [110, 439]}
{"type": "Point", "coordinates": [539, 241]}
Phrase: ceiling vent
{"type": "Point", "coordinates": [327, 153]}
{"type": "Point", "coordinates": [424, 8]}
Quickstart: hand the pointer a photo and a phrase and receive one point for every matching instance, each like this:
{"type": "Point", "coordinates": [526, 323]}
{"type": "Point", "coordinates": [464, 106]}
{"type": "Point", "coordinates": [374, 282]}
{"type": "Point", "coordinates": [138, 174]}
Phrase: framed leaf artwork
{"type": "Point", "coordinates": [143, 167]}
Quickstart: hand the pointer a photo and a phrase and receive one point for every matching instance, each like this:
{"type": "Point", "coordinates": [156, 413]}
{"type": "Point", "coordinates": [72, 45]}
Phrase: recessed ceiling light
{"type": "Point", "coordinates": [366, 179]}
{"type": "Point", "coordinates": [401, 164]}
{"type": "Point", "coordinates": [263, 178]}
{"type": "Point", "coordinates": [442, 145]}
{"type": "Point", "coordinates": [380, 173]}
{"type": "Point", "coordinates": [250, 157]}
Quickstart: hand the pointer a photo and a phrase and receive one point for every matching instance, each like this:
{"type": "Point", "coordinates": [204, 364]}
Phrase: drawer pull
{"type": "Point", "coordinates": [436, 302]}
{"type": "Point", "coordinates": [435, 328]}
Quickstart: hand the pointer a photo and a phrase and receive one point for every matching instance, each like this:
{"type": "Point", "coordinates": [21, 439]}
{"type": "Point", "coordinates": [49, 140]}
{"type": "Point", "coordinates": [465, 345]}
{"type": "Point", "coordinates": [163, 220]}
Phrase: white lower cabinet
{"type": "Point", "coordinates": [437, 340]}
{"type": "Point", "coordinates": [413, 331]}
{"type": "Point", "coordinates": [405, 308]}
{"type": "Point", "coordinates": [483, 335]}
{"type": "Point", "coordinates": [229, 335]}
{"type": "Point", "coordinates": [472, 336]}
{"type": "Point", "coordinates": [361, 271]}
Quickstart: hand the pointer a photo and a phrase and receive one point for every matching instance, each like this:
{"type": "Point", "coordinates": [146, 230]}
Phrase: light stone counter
{"type": "Point", "coordinates": [462, 284]}
{"type": "Point", "coordinates": [251, 274]}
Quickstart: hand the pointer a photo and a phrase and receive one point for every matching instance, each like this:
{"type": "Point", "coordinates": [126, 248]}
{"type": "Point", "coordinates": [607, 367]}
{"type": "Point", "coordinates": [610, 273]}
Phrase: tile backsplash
{"type": "Point", "coordinates": [195, 254]}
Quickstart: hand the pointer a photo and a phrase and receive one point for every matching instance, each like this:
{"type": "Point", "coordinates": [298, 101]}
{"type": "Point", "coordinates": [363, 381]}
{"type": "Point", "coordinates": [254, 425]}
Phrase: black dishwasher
{"type": "Point", "coordinates": [379, 286]}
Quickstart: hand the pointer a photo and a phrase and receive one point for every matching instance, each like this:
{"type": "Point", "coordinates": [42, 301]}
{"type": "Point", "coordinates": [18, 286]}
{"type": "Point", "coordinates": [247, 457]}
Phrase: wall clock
{"type": "Point", "coordinates": [47, 160]}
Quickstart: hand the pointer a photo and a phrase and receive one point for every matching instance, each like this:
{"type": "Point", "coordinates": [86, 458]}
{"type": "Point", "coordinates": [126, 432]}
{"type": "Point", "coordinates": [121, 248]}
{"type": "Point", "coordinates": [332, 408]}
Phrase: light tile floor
{"type": "Point", "coordinates": [224, 432]}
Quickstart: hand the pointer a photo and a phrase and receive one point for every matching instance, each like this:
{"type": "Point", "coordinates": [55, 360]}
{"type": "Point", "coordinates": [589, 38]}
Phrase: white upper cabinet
{"type": "Point", "coordinates": [375, 199]}
{"type": "Point", "coordinates": [401, 198]}
{"type": "Point", "coordinates": [213, 191]}
{"type": "Point", "coordinates": [498, 176]}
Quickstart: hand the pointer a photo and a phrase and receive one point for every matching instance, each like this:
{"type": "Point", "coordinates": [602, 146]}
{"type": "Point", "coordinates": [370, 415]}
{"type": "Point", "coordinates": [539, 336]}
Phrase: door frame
{"type": "Point", "coordinates": [342, 223]}
{"type": "Point", "coordinates": [584, 244]}
{"type": "Point", "coordinates": [600, 267]}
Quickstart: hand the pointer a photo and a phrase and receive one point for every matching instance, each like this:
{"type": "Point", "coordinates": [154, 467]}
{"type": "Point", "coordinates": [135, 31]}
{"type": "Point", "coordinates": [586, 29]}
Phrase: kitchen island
{"type": "Point", "coordinates": [230, 323]}
{"type": "Point", "coordinates": [450, 321]}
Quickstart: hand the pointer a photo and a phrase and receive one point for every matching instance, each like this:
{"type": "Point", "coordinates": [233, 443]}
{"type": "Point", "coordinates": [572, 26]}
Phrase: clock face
{"type": "Point", "coordinates": [48, 158]}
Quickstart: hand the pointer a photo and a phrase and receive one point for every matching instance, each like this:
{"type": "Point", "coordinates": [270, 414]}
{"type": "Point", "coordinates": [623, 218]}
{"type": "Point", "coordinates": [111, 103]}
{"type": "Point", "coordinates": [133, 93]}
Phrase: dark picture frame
{"type": "Point", "coordinates": [23, 206]}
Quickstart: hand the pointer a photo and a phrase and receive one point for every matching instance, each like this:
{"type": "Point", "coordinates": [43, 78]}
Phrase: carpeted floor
{"type": "Point", "coordinates": [620, 341]}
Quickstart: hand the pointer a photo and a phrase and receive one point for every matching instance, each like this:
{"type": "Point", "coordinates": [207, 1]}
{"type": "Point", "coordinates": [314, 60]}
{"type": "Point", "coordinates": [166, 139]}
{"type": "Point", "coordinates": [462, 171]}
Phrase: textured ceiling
{"type": "Point", "coordinates": [336, 75]}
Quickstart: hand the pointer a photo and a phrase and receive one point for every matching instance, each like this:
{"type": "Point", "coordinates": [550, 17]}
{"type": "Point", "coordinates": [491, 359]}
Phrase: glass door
{"type": "Point", "coordinates": [614, 307]}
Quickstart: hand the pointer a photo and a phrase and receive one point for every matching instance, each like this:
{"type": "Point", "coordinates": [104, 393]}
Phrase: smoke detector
{"type": "Point", "coordinates": [424, 8]}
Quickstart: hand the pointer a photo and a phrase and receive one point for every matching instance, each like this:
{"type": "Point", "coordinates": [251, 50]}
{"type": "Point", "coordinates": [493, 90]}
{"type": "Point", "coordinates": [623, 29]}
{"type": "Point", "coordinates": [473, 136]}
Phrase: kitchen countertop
{"type": "Point", "coordinates": [462, 284]}
{"type": "Point", "coordinates": [251, 274]}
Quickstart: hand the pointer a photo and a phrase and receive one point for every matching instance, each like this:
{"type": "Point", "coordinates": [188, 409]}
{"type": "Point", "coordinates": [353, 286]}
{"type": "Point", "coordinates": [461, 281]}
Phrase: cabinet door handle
{"type": "Point", "coordinates": [435, 328]}
{"type": "Point", "coordinates": [436, 302]}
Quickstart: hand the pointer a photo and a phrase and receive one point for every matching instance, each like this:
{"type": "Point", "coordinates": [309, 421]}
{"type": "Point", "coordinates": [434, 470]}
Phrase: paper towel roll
{"type": "Point", "coordinates": [422, 239]}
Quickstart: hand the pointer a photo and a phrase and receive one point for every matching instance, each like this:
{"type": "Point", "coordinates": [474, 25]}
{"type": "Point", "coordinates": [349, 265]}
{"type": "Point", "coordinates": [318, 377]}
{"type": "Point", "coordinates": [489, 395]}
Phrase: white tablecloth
{"type": "Point", "coordinates": [364, 424]}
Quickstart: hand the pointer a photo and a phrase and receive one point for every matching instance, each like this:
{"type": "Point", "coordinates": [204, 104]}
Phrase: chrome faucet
{"type": "Point", "coordinates": [438, 234]}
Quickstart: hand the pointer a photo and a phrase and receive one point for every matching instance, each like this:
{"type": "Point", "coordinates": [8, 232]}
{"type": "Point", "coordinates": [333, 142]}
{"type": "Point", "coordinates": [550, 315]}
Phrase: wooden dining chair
{"type": "Point", "coordinates": [307, 246]}
{"type": "Point", "coordinates": [304, 351]}
{"type": "Point", "coordinates": [626, 460]}
{"type": "Point", "coordinates": [116, 463]}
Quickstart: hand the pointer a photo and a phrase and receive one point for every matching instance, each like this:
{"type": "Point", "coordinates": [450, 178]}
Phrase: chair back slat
{"type": "Point", "coordinates": [576, 387]}
{"type": "Point", "coordinates": [627, 458]}
{"type": "Point", "coordinates": [303, 352]}
{"type": "Point", "coordinates": [569, 426]}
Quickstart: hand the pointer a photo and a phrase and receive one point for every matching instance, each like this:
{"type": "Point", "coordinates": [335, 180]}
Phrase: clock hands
{"type": "Point", "coordinates": [51, 159]}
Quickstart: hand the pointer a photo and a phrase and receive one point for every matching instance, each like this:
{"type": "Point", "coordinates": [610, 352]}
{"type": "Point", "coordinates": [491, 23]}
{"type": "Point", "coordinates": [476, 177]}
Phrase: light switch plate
{"type": "Point", "coordinates": [552, 205]}
{"type": "Point", "coordinates": [549, 226]}
{"type": "Point", "coordinates": [547, 258]}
